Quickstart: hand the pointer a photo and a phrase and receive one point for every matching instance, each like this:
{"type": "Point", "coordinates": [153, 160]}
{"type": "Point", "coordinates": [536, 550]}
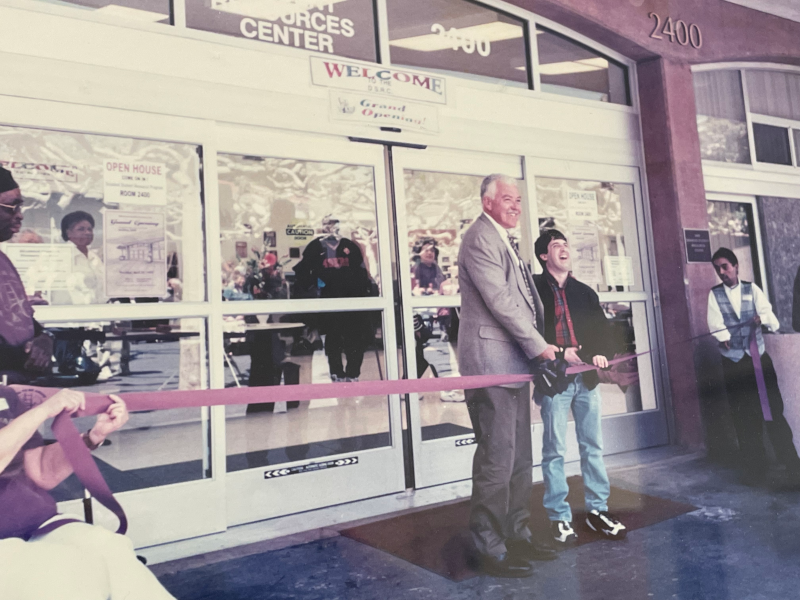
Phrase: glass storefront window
{"type": "Point", "coordinates": [731, 226]}
{"type": "Point", "coordinates": [142, 11]}
{"type": "Point", "coordinates": [297, 229]}
{"type": "Point", "coordinates": [154, 448]}
{"type": "Point", "coordinates": [458, 36]}
{"type": "Point", "coordinates": [340, 27]}
{"type": "Point", "coordinates": [106, 219]}
{"type": "Point", "coordinates": [572, 69]}
{"type": "Point", "coordinates": [772, 144]}
{"type": "Point", "coordinates": [599, 221]}
{"type": "Point", "coordinates": [290, 349]}
{"type": "Point", "coordinates": [442, 414]}
{"type": "Point", "coordinates": [721, 120]}
{"type": "Point", "coordinates": [796, 134]}
{"type": "Point", "coordinates": [774, 93]}
{"type": "Point", "coordinates": [620, 389]}
{"type": "Point", "coordinates": [439, 209]}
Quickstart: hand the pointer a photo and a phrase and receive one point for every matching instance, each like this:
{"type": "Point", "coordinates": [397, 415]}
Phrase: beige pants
{"type": "Point", "coordinates": [76, 562]}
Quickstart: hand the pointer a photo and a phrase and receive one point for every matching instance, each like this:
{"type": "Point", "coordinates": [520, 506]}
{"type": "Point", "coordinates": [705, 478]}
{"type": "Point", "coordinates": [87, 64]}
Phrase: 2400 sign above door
{"type": "Point", "coordinates": [677, 31]}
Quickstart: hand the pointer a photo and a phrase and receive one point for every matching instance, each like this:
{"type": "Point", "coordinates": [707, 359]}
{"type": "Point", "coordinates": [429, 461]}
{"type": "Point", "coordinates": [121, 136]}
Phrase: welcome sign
{"type": "Point", "coordinates": [377, 79]}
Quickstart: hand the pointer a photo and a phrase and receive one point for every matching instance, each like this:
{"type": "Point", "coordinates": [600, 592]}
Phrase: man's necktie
{"type": "Point", "coordinates": [522, 269]}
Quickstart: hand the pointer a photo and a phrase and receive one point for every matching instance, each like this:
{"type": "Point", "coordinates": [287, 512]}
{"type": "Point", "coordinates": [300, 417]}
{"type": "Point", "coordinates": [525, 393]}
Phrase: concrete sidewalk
{"type": "Point", "coordinates": [742, 544]}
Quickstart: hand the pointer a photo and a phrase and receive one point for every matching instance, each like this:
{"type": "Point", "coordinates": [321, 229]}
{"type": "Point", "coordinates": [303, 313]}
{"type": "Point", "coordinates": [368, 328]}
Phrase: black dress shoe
{"type": "Point", "coordinates": [505, 565]}
{"type": "Point", "coordinates": [530, 550]}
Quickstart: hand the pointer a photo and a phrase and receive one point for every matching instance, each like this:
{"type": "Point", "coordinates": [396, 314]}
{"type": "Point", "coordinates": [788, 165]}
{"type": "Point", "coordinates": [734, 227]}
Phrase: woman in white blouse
{"type": "Point", "coordinates": [85, 283]}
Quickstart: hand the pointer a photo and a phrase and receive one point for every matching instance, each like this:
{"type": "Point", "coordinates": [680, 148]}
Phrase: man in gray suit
{"type": "Point", "coordinates": [501, 316]}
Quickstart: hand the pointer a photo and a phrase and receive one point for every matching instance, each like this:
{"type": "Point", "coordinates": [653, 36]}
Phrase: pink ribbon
{"type": "Point", "coordinates": [88, 473]}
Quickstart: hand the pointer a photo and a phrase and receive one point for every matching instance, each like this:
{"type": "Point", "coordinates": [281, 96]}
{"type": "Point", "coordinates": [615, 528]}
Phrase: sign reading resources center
{"type": "Point", "coordinates": [134, 182]}
{"type": "Point", "coordinates": [383, 112]}
{"type": "Point", "coordinates": [377, 79]}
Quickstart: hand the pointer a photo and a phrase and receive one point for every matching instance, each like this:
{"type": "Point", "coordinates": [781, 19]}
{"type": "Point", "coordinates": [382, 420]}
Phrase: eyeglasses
{"type": "Point", "coordinates": [14, 209]}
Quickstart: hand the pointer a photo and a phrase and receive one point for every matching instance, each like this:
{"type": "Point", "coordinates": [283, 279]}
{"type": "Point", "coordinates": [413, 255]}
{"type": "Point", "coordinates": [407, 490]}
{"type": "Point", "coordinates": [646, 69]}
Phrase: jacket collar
{"type": "Point", "coordinates": [552, 280]}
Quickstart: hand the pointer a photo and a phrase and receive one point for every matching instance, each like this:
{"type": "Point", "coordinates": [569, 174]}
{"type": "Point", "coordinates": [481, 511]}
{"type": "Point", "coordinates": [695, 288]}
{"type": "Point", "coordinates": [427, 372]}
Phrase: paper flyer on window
{"type": "Point", "coordinates": [582, 215]}
{"type": "Point", "coordinates": [134, 182]}
{"type": "Point", "coordinates": [134, 246]}
{"type": "Point", "coordinates": [42, 267]}
{"type": "Point", "coordinates": [619, 271]}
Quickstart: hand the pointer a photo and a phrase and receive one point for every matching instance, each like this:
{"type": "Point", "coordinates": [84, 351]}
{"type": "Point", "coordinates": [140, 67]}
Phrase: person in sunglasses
{"type": "Point", "coordinates": [25, 348]}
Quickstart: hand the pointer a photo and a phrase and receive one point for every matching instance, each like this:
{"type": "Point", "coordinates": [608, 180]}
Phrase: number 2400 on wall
{"type": "Point", "coordinates": [677, 31]}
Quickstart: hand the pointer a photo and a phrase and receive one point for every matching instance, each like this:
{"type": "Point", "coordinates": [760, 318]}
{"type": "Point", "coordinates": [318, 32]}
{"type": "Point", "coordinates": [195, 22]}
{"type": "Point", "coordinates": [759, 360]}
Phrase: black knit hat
{"type": "Point", "coordinates": [7, 182]}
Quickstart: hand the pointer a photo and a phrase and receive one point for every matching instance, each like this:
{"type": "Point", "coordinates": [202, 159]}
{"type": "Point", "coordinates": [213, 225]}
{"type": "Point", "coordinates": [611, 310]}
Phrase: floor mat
{"type": "Point", "coordinates": [438, 539]}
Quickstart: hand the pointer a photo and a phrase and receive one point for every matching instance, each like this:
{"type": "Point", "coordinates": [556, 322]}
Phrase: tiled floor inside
{"type": "Point", "coordinates": [741, 544]}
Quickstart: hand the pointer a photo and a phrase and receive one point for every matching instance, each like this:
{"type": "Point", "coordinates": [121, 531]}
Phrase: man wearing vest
{"type": "Point", "coordinates": [735, 308]}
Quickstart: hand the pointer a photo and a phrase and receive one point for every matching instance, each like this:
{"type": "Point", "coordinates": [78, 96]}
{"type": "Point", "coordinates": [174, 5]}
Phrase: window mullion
{"type": "Point", "coordinates": [750, 134]}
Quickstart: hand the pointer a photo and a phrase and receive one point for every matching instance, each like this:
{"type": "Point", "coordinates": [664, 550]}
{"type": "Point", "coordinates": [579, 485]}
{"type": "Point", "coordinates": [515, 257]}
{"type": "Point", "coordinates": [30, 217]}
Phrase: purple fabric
{"type": "Point", "coordinates": [24, 506]}
{"type": "Point", "coordinates": [85, 468]}
{"type": "Point", "coordinates": [16, 326]}
{"type": "Point", "coordinates": [760, 383]}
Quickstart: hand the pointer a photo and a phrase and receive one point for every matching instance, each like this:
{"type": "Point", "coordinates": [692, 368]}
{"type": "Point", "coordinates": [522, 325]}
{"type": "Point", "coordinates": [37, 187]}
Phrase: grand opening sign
{"type": "Point", "coordinates": [377, 79]}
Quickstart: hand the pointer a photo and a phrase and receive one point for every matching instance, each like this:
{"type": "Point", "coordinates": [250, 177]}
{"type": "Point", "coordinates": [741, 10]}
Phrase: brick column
{"type": "Point", "coordinates": [677, 201]}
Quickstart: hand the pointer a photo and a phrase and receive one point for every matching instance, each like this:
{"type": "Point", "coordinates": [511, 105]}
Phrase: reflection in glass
{"type": "Point", "coordinates": [439, 209]}
{"type": "Point", "coordinates": [599, 221]}
{"type": "Point", "coordinates": [774, 93]}
{"type": "Point", "coordinates": [297, 229]}
{"type": "Point", "coordinates": [154, 448]}
{"type": "Point", "coordinates": [442, 414]}
{"type": "Point", "coordinates": [141, 11]}
{"type": "Point", "coordinates": [721, 119]}
{"type": "Point", "coordinates": [569, 68]}
{"type": "Point", "coordinates": [620, 388]}
{"type": "Point", "coordinates": [772, 144]}
{"type": "Point", "coordinates": [796, 133]}
{"type": "Point", "coordinates": [291, 349]}
{"type": "Point", "coordinates": [731, 226]}
{"type": "Point", "coordinates": [341, 27]}
{"type": "Point", "coordinates": [457, 36]}
{"type": "Point", "coordinates": [89, 265]}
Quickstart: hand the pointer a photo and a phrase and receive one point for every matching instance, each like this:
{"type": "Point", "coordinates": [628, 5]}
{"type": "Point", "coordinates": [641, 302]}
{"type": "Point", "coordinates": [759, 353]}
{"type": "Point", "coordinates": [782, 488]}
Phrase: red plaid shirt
{"type": "Point", "coordinates": [565, 334]}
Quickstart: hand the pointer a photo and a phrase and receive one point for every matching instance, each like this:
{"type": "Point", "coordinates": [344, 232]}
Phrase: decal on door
{"type": "Point", "coordinates": [311, 467]}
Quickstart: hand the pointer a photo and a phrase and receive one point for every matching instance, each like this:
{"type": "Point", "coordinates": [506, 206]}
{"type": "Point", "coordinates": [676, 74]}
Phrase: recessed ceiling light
{"type": "Point", "coordinates": [268, 10]}
{"type": "Point", "coordinates": [573, 66]}
{"type": "Point", "coordinates": [131, 14]}
{"type": "Point", "coordinates": [496, 31]}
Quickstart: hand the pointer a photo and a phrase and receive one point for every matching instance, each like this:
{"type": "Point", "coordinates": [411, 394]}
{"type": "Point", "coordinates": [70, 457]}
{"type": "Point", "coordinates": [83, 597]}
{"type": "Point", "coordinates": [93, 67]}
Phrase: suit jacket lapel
{"type": "Point", "coordinates": [515, 266]}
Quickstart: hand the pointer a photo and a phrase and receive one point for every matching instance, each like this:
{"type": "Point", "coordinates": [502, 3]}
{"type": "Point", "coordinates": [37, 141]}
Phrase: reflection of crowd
{"type": "Point", "coordinates": [427, 276]}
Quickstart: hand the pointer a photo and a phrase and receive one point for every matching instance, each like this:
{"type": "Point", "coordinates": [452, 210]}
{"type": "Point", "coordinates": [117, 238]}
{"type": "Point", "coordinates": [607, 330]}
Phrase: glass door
{"type": "Point", "coordinates": [304, 295]}
{"type": "Point", "coordinates": [111, 253]}
{"type": "Point", "coordinates": [437, 195]}
{"type": "Point", "coordinates": [599, 208]}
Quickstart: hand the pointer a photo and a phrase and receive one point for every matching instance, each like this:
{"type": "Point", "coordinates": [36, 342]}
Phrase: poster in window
{"type": "Point", "coordinates": [134, 245]}
{"type": "Point", "coordinates": [582, 217]}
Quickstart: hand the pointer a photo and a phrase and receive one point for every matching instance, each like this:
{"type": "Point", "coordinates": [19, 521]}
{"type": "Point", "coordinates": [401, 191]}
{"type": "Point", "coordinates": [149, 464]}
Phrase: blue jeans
{"type": "Point", "coordinates": [585, 406]}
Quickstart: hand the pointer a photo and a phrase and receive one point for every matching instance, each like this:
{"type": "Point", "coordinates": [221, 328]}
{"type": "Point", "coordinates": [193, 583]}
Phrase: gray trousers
{"type": "Point", "coordinates": [502, 478]}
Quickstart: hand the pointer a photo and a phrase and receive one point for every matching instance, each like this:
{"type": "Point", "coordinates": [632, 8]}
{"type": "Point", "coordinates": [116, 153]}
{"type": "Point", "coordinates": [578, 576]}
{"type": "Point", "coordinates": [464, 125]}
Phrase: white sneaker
{"type": "Point", "coordinates": [453, 396]}
{"type": "Point", "coordinates": [607, 524]}
{"type": "Point", "coordinates": [105, 374]}
{"type": "Point", "coordinates": [563, 532]}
